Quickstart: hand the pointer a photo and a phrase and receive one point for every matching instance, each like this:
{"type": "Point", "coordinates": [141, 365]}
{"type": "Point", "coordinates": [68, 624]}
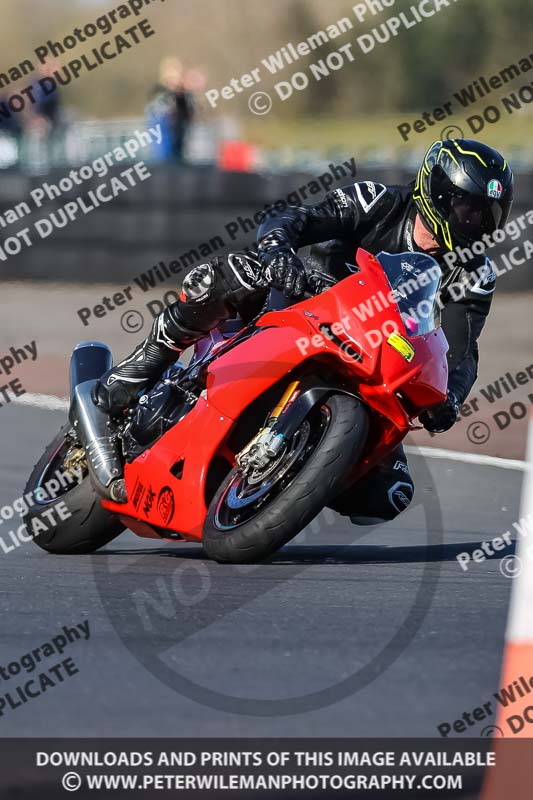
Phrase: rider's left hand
{"type": "Point", "coordinates": [440, 418]}
{"type": "Point", "coordinates": [284, 271]}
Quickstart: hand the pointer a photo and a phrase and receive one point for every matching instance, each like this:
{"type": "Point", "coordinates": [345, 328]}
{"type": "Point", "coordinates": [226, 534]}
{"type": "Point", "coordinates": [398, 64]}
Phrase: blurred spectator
{"type": "Point", "coordinates": [171, 105]}
{"type": "Point", "coordinates": [11, 137]}
{"type": "Point", "coordinates": [195, 82]}
{"type": "Point", "coordinates": [48, 108]}
{"type": "Point", "coordinates": [47, 122]}
{"type": "Point", "coordinates": [13, 124]}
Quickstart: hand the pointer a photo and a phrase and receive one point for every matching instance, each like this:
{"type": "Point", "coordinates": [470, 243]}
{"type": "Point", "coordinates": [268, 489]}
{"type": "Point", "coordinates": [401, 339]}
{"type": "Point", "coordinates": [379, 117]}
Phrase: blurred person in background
{"type": "Point", "coordinates": [47, 121]}
{"type": "Point", "coordinates": [48, 108]}
{"type": "Point", "coordinates": [12, 125]}
{"type": "Point", "coordinates": [171, 105]}
{"type": "Point", "coordinates": [11, 137]}
{"type": "Point", "coordinates": [195, 83]}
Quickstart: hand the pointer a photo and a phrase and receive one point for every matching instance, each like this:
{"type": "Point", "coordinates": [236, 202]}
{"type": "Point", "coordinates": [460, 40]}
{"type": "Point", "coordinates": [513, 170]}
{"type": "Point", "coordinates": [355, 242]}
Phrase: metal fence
{"type": "Point", "coordinates": [80, 142]}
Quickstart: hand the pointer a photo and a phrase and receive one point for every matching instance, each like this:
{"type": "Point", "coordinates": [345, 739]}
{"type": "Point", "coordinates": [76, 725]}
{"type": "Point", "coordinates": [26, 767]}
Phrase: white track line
{"type": "Point", "coordinates": [49, 402]}
{"type": "Point", "coordinates": [468, 458]}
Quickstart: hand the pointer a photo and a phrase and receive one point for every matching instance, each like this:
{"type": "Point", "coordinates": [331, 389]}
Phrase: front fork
{"type": "Point", "coordinates": [282, 424]}
{"type": "Point", "coordinates": [270, 440]}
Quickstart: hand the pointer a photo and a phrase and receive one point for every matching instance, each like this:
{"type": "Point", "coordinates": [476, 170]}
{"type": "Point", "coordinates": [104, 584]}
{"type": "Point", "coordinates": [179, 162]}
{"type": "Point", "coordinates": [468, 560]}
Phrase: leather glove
{"type": "Point", "coordinates": [441, 417]}
{"type": "Point", "coordinates": [283, 270]}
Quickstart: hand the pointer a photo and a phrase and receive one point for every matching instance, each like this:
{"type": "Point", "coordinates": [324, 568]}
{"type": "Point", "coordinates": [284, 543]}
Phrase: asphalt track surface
{"type": "Point", "coordinates": [321, 611]}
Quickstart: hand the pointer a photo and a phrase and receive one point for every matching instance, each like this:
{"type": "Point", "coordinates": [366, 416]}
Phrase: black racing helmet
{"type": "Point", "coordinates": [464, 189]}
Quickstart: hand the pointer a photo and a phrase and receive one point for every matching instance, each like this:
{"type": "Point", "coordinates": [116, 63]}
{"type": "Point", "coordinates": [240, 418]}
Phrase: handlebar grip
{"type": "Point", "coordinates": [278, 301]}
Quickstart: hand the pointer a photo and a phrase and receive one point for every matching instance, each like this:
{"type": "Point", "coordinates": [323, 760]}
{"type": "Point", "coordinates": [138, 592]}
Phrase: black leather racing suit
{"type": "Point", "coordinates": [365, 214]}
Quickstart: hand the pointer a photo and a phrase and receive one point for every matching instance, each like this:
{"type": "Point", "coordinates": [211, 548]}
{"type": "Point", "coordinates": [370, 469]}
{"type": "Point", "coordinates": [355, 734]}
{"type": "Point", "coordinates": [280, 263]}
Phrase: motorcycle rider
{"type": "Point", "coordinates": [464, 190]}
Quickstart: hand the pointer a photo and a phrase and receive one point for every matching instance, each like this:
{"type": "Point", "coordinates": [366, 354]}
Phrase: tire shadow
{"type": "Point", "coordinates": [325, 554]}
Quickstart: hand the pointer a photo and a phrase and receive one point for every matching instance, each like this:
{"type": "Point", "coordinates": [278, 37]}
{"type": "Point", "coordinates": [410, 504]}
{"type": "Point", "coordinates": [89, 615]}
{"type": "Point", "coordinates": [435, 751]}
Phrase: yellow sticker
{"type": "Point", "coordinates": [402, 345]}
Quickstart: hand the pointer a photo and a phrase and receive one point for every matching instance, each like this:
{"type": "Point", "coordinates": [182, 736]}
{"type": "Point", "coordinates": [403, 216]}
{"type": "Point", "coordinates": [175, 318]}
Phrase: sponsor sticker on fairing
{"type": "Point", "coordinates": [402, 346]}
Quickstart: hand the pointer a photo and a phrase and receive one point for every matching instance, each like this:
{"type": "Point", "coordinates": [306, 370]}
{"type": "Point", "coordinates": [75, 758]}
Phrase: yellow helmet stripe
{"type": "Point", "coordinates": [432, 216]}
{"type": "Point", "coordinates": [418, 194]}
{"type": "Point", "coordinates": [447, 235]}
{"type": "Point", "coordinates": [469, 153]}
{"type": "Point", "coordinates": [445, 150]}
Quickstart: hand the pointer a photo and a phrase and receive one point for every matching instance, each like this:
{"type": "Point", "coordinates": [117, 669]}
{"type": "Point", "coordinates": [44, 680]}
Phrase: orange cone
{"type": "Point", "coordinates": [512, 777]}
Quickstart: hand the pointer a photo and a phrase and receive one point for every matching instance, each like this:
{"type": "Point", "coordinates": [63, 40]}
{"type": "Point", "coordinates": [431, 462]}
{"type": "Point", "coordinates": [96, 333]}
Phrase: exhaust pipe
{"type": "Point", "coordinates": [89, 361]}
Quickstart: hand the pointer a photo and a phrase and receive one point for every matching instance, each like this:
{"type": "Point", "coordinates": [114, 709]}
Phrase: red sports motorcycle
{"type": "Point", "coordinates": [242, 448]}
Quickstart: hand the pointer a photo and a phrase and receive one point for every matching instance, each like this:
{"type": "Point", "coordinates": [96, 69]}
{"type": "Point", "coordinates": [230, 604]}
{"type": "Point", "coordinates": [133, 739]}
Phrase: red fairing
{"type": "Point", "coordinates": [346, 328]}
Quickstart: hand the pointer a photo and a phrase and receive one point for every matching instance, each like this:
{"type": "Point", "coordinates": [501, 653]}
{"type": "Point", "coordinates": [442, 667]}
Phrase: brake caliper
{"type": "Point", "coordinates": [258, 454]}
{"type": "Point", "coordinates": [268, 444]}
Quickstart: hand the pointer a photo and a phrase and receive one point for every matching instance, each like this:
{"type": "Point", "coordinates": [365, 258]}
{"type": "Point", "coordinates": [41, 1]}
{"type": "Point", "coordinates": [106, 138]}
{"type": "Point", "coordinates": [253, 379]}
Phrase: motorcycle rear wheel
{"type": "Point", "coordinates": [88, 527]}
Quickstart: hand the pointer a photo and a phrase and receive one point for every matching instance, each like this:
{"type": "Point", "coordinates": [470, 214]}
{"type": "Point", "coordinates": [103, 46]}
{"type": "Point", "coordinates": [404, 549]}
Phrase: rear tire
{"type": "Point", "coordinates": [89, 526]}
{"type": "Point", "coordinates": [319, 479]}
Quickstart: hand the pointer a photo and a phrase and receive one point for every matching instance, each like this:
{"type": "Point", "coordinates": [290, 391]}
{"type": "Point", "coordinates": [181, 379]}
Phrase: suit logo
{"type": "Point", "coordinates": [486, 281]}
{"type": "Point", "coordinates": [341, 198]}
{"type": "Point", "coordinates": [368, 194]}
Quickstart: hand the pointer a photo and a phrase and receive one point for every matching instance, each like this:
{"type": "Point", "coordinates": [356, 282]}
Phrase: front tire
{"type": "Point", "coordinates": [89, 526]}
{"type": "Point", "coordinates": [317, 480]}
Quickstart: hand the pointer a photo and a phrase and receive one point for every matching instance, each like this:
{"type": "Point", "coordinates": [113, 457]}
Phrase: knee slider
{"type": "Point", "coordinates": [399, 496]}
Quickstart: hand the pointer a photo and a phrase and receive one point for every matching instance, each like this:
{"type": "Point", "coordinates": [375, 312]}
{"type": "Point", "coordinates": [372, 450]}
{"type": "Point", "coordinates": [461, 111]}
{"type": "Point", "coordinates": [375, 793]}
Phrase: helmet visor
{"type": "Point", "coordinates": [469, 215]}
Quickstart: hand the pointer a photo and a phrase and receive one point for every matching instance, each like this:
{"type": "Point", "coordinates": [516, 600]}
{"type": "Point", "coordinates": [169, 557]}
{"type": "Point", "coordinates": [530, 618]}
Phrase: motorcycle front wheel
{"type": "Point", "coordinates": [251, 517]}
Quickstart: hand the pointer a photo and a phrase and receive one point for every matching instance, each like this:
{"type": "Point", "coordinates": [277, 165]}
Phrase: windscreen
{"type": "Point", "coordinates": [415, 280]}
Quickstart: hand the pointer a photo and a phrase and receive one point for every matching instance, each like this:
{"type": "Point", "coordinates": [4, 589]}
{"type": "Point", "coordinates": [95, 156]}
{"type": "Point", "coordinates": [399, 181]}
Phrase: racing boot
{"type": "Point", "coordinates": [204, 303]}
{"type": "Point", "coordinates": [210, 294]}
{"type": "Point", "coordinates": [180, 325]}
{"type": "Point", "coordinates": [98, 402]}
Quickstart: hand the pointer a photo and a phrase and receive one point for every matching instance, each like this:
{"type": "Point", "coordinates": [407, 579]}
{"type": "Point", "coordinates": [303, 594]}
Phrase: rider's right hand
{"type": "Point", "coordinates": [283, 270]}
